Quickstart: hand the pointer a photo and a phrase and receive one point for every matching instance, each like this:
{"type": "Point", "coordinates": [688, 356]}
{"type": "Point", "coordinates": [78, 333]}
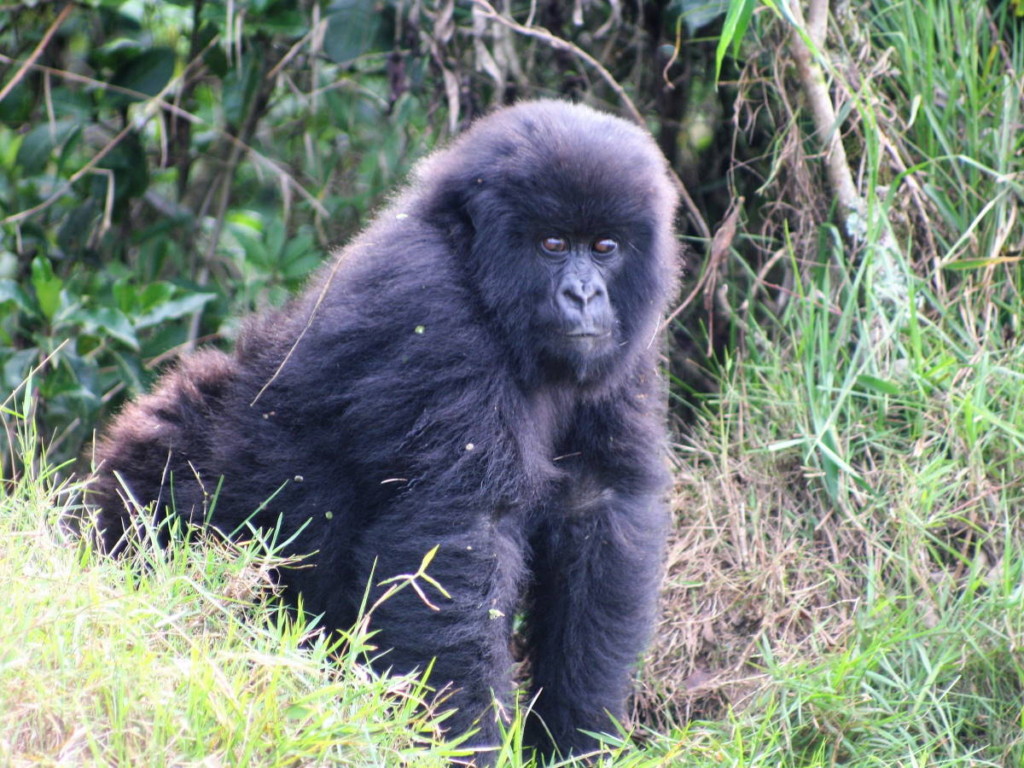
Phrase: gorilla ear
{"type": "Point", "coordinates": [450, 208]}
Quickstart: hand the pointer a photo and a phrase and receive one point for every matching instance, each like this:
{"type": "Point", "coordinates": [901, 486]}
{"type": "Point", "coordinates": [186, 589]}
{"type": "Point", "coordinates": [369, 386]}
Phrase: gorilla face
{"type": "Point", "coordinates": [576, 324]}
{"type": "Point", "coordinates": [559, 218]}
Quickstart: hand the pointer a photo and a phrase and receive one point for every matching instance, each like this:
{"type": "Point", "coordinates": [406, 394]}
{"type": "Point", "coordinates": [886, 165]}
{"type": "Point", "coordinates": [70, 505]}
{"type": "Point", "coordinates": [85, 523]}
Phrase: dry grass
{"type": "Point", "coordinates": [754, 563]}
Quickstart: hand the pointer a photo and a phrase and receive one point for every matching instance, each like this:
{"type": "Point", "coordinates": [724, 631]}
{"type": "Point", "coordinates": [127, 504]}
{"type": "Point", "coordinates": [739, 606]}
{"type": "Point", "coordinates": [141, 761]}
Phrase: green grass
{"type": "Point", "coordinates": [175, 661]}
{"type": "Point", "coordinates": [185, 657]}
{"type": "Point", "coordinates": [847, 583]}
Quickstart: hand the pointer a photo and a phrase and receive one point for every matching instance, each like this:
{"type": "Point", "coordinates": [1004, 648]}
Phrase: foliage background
{"type": "Point", "coordinates": [845, 582]}
{"type": "Point", "coordinates": [168, 166]}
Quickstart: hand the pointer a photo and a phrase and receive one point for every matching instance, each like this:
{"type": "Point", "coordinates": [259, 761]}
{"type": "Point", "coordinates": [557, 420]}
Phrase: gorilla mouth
{"type": "Point", "coordinates": [591, 342]}
{"type": "Point", "coordinates": [588, 342]}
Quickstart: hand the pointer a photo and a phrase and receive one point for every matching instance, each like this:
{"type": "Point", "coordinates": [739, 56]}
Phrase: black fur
{"type": "Point", "coordinates": [421, 393]}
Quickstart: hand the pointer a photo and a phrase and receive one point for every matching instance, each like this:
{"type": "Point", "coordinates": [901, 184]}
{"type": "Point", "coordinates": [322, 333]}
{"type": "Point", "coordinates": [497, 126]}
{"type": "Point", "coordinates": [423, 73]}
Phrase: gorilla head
{"type": "Point", "coordinates": [561, 216]}
{"type": "Point", "coordinates": [475, 375]}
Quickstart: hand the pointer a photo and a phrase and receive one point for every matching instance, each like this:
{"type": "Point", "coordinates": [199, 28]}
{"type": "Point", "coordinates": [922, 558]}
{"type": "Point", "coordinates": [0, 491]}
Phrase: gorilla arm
{"type": "Point", "coordinates": [598, 558]}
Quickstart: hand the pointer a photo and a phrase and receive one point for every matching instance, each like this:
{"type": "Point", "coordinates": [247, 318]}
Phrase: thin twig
{"type": "Point", "coordinates": [717, 253]}
{"type": "Point", "coordinates": [63, 188]}
{"type": "Point", "coordinates": [309, 324]}
{"type": "Point", "coordinates": [561, 44]}
{"type": "Point", "coordinates": [37, 52]}
{"type": "Point", "coordinates": [564, 45]}
{"type": "Point", "coordinates": [152, 102]}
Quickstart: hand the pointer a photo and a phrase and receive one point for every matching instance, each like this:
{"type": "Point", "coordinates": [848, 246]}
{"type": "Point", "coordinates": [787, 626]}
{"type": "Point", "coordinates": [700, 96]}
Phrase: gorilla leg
{"type": "Point", "coordinates": [465, 636]}
{"type": "Point", "coordinates": [593, 604]}
{"type": "Point", "coordinates": [159, 446]}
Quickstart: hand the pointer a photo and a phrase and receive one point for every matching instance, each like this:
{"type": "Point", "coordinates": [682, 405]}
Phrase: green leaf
{"type": "Point", "coordinates": [256, 252]}
{"type": "Point", "coordinates": [145, 73]}
{"type": "Point", "coordinates": [17, 366]}
{"type": "Point", "coordinates": [698, 13]}
{"type": "Point", "coordinates": [131, 172]}
{"type": "Point", "coordinates": [173, 309]}
{"type": "Point", "coordinates": [74, 233]}
{"type": "Point", "coordinates": [297, 712]}
{"type": "Point", "coordinates": [353, 27]}
{"type": "Point", "coordinates": [217, 61]}
{"type": "Point", "coordinates": [300, 257]}
{"type": "Point", "coordinates": [47, 286]}
{"type": "Point", "coordinates": [737, 19]}
{"type": "Point", "coordinates": [276, 17]}
{"type": "Point", "coordinates": [155, 294]}
{"type": "Point", "coordinates": [107, 321]}
{"type": "Point", "coordinates": [275, 236]}
{"type": "Point", "coordinates": [10, 144]}
{"type": "Point", "coordinates": [239, 89]}
{"type": "Point", "coordinates": [129, 369]}
{"type": "Point", "coordinates": [964, 265]}
{"type": "Point", "coordinates": [40, 142]}
{"type": "Point", "coordinates": [17, 105]}
{"type": "Point", "coordinates": [11, 292]}
{"type": "Point", "coordinates": [115, 53]}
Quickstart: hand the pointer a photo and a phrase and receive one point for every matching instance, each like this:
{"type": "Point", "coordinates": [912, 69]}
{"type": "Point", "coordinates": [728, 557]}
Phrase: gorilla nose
{"type": "Point", "coordinates": [579, 294]}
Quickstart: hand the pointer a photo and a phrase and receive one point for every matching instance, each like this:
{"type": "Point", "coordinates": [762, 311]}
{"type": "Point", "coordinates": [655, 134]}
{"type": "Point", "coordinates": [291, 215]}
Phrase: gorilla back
{"type": "Point", "coordinates": [476, 372]}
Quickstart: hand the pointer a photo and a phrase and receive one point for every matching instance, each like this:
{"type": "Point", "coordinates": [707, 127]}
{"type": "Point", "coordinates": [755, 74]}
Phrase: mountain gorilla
{"type": "Point", "coordinates": [476, 372]}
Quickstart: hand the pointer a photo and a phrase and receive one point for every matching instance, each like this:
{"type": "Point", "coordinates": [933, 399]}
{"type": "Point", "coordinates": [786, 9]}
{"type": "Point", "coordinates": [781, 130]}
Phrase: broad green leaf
{"type": "Point", "coordinates": [130, 370]}
{"type": "Point", "coordinates": [244, 218]}
{"type": "Point", "coordinates": [74, 233]}
{"type": "Point", "coordinates": [275, 236]}
{"type": "Point", "coordinates": [239, 88]}
{"type": "Point", "coordinates": [301, 256]}
{"type": "Point", "coordinates": [173, 309]}
{"type": "Point", "coordinates": [698, 13]}
{"type": "Point", "coordinates": [145, 73]}
{"type": "Point", "coordinates": [115, 53]}
{"type": "Point", "coordinates": [11, 292]}
{"type": "Point", "coordinates": [17, 366]}
{"type": "Point", "coordinates": [256, 252]}
{"type": "Point", "coordinates": [39, 143]}
{"type": "Point", "coordinates": [130, 165]}
{"type": "Point", "coordinates": [17, 105]}
{"type": "Point", "coordinates": [10, 144]}
{"type": "Point", "coordinates": [110, 321]}
{"type": "Point", "coordinates": [353, 27]}
{"type": "Point", "coordinates": [155, 294]}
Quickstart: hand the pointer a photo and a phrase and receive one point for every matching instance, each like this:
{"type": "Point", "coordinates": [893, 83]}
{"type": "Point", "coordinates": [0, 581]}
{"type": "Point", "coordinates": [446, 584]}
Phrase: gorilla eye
{"type": "Point", "coordinates": [605, 246]}
{"type": "Point", "coordinates": [554, 244]}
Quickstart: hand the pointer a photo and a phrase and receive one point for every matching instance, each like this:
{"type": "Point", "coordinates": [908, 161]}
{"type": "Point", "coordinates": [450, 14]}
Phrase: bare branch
{"type": "Point", "coordinates": [37, 52]}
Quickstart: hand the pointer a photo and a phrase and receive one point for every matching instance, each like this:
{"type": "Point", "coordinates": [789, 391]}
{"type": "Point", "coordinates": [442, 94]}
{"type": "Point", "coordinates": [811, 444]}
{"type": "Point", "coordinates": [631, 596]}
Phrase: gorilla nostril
{"type": "Point", "coordinates": [574, 297]}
